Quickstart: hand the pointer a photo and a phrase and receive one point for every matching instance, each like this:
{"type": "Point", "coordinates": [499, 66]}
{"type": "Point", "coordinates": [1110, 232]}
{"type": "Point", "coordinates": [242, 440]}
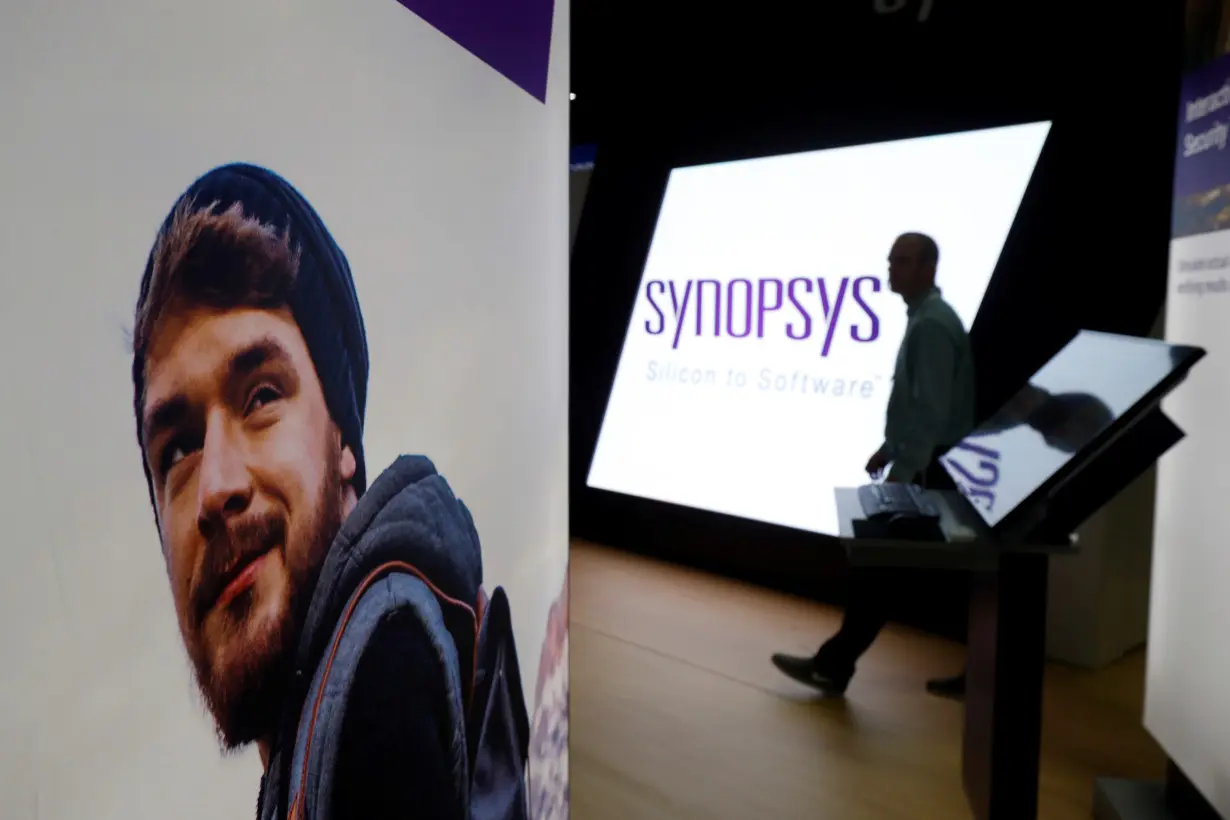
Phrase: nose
{"type": "Point", "coordinates": [224, 483]}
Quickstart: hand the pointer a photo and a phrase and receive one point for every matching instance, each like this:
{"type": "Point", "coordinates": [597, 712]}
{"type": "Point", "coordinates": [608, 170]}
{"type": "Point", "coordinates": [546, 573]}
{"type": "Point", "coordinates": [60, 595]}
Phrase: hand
{"type": "Point", "coordinates": [876, 464]}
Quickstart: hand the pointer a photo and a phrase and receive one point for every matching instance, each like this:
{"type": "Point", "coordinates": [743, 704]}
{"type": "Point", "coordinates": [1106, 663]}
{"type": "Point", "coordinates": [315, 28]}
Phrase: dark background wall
{"type": "Point", "coordinates": [1089, 249]}
{"type": "Point", "coordinates": [578, 186]}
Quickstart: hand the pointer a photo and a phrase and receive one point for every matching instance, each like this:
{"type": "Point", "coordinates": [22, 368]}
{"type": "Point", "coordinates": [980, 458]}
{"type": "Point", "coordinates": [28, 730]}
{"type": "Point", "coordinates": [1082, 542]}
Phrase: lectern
{"type": "Point", "coordinates": [1086, 425]}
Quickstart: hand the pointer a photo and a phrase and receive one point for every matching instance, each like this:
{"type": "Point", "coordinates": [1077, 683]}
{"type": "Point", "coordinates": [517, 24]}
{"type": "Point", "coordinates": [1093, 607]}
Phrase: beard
{"type": "Point", "coordinates": [247, 694]}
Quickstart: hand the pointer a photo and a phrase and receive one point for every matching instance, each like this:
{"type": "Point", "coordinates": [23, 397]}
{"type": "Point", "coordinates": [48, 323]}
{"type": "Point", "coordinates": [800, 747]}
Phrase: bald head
{"type": "Point", "coordinates": [928, 252]}
{"type": "Point", "coordinates": [911, 265]}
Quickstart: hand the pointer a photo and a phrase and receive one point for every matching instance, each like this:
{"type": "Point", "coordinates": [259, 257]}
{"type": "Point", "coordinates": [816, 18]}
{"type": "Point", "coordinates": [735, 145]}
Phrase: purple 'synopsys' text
{"type": "Point", "coordinates": [742, 307]}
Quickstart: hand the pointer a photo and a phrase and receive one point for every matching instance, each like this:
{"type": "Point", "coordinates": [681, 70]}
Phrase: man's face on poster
{"type": "Point", "coordinates": [250, 481]}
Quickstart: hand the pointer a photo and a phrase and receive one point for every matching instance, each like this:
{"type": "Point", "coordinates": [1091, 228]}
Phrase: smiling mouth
{"type": "Point", "coordinates": [240, 579]}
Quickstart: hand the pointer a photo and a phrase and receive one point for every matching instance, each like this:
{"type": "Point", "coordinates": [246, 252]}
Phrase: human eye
{"type": "Point", "coordinates": [261, 397]}
{"type": "Point", "coordinates": [175, 451]}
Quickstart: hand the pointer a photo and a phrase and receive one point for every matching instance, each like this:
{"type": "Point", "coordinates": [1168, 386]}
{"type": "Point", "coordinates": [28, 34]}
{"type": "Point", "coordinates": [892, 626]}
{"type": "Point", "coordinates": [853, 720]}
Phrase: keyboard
{"type": "Point", "coordinates": [881, 500]}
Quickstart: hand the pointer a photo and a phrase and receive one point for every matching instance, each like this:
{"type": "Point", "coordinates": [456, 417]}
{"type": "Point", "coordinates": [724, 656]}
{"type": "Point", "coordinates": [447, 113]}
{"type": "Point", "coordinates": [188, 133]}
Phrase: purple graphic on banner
{"type": "Point", "coordinates": [511, 36]}
{"type": "Point", "coordinates": [1202, 156]}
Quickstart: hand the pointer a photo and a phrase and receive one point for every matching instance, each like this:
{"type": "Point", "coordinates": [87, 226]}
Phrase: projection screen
{"type": "Point", "coordinates": [757, 363]}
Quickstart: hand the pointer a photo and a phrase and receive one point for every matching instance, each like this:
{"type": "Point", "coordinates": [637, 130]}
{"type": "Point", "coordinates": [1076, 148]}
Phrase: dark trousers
{"type": "Point", "coordinates": [870, 593]}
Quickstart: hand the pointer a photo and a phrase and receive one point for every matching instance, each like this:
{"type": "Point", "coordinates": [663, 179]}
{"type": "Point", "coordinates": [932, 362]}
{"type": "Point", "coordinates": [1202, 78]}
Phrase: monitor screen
{"type": "Point", "coordinates": [757, 362]}
{"type": "Point", "coordinates": [1092, 382]}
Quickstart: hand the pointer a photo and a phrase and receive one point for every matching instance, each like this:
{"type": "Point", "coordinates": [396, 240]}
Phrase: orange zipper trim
{"type": "Point", "coordinates": [373, 576]}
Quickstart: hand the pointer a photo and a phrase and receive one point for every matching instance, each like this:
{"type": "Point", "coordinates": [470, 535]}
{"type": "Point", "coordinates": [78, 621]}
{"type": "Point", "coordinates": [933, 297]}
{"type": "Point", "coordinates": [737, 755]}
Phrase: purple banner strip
{"type": "Point", "coordinates": [511, 36]}
{"type": "Point", "coordinates": [1201, 159]}
{"type": "Point", "coordinates": [1202, 156]}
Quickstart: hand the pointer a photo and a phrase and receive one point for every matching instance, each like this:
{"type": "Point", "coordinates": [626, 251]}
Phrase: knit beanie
{"type": "Point", "coordinates": [323, 299]}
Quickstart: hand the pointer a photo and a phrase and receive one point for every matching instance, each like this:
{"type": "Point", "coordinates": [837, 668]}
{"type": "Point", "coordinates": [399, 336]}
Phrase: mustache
{"type": "Point", "coordinates": [233, 548]}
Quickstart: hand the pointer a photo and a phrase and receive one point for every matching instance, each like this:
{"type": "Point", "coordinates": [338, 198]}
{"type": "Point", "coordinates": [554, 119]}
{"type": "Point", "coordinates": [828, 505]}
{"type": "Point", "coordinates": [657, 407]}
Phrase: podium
{"type": "Point", "coordinates": [1089, 424]}
{"type": "Point", "coordinates": [1002, 737]}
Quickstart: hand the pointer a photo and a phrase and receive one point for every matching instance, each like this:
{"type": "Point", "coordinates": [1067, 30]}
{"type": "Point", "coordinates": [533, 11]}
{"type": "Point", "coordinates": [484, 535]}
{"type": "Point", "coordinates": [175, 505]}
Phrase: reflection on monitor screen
{"type": "Point", "coordinates": [758, 358]}
{"type": "Point", "coordinates": [1077, 395]}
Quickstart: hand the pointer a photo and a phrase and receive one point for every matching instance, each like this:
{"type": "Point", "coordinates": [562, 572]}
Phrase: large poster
{"type": "Point", "coordinates": [283, 333]}
{"type": "Point", "coordinates": [1185, 705]}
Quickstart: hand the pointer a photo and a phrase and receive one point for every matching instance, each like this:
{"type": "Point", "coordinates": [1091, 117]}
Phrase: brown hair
{"type": "Point", "coordinates": [216, 259]}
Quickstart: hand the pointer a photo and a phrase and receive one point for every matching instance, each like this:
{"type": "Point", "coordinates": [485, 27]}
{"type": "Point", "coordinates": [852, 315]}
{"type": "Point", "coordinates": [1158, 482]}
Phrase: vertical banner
{"type": "Point", "coordinates": [1185, 704]}
{"type": "Point", "coordinates": [283, 334]}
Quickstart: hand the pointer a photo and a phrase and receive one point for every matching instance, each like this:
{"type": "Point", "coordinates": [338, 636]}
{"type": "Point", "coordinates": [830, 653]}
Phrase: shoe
{"type": "Point", "coordinates": [953, 687]}
{"type": "Point", "coordinates": [805, 671]}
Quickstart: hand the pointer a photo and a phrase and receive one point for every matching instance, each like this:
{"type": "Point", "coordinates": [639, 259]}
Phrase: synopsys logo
{"type": "Point", "coordinates": [743, 307]}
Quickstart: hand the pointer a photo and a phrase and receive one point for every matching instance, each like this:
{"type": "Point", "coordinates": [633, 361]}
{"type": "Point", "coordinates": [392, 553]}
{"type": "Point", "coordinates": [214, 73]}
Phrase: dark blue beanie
{"type": "Point", "coordinates": [323, 299]}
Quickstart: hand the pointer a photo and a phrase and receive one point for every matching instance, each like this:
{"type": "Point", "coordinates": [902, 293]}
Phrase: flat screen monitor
{"type": "Point", "coordinates": [756, 366]}
{"type": "Point", "coordinates": [1068, 411]}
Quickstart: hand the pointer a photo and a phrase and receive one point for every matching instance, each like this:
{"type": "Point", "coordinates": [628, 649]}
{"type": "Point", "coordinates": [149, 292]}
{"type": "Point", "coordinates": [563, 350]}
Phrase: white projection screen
{"type": "Point", "coordinates": [1186, 707]}
{"type": "Point", "coordinates": [757, 363]}
{"type": "Point", "coordinates": [432, 151]}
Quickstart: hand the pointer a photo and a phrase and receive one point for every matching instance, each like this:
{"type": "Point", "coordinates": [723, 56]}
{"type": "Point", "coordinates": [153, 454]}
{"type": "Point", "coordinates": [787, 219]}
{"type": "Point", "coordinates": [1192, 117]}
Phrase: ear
{"type": "Point", "coordinates": [347, 465]}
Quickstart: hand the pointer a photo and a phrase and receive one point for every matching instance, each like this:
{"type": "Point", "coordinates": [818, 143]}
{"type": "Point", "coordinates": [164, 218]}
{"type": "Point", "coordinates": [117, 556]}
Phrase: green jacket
{"type": "Point", "coordinates": [931, 405]}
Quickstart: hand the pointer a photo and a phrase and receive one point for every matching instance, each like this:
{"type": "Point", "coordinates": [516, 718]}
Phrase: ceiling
{"type": "Point", "coordinates": [632, 70]}
{"type": "Point", "coordinates": [646, 70]}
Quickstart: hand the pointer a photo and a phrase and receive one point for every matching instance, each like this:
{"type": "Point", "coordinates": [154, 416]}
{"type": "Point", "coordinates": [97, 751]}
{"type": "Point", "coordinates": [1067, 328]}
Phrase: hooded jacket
{"type": "Point", "coordinates": [397, 753]}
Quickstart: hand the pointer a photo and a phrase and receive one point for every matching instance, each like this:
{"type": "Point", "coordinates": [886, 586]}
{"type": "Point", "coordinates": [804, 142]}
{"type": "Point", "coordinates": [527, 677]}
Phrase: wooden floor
{"type": "Point", "coordinates": [677, 713]}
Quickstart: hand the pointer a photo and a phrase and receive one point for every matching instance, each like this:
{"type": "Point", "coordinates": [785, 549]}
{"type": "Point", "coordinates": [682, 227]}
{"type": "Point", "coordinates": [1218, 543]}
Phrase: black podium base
{"type": "Point", "coordinates": [1118, 799]}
